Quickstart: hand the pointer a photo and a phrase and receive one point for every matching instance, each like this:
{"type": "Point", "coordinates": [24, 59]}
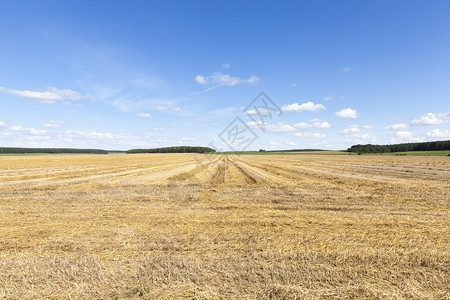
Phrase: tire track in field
{"type": "Point", "coordinates": [129, 176]}
{"type": "Point", "coordinates": [249, 179]}
{"type": "Point", "coordinates": [229, 172]}
{"type": "Point", "coordinates": [320, 174]}
{"type": "Point", "coordinates": [400, 167]}
{"type": "Point", "coordinates": [257, 175]}
{"type": "Point", "coordinates": [222, 171]}
{"type": "Point", "coordinates": [218, 176]}
{"type": "Point", "coordinates": [66, 170]}
{"type": "Point", "coordinates": [199, 173]}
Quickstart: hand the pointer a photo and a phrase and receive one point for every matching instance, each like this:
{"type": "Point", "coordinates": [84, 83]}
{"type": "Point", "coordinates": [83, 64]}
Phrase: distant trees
{"type": "Point", "coordinates": [296, 150]}
{"type": "Point", "coordinates": [175, 149]}
{"type": "Point", "coordinates": [14, 150]}
{"type": "Point", "coordinates": [425, 146]}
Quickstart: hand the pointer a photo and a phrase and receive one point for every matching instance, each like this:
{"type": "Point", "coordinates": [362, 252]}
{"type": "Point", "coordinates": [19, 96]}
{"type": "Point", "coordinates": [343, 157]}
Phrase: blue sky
{"type": "Point", "coordinates": [142, 74]}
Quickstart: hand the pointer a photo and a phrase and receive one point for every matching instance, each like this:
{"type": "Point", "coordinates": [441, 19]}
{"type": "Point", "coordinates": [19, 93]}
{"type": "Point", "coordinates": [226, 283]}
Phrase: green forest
{"type": "Point", "coordinates": [14, 150]}
{"type": "Point", "coordinates": [425, 146]}
{"type": "Point", "coordinates": [176, 149]}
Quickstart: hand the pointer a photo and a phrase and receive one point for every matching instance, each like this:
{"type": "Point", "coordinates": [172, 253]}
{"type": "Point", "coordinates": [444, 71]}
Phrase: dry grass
{"type": "Point", "coordinates": [254, 227]}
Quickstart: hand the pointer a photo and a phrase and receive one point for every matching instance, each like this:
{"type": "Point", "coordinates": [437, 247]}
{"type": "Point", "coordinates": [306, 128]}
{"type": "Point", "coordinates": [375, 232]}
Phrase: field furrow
{"type": "Point", "coordinates": [192, 226]}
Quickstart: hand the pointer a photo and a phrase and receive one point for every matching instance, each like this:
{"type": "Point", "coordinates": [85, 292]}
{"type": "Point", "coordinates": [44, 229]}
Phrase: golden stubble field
{"type": "Point", "coordinates": [224, 227]}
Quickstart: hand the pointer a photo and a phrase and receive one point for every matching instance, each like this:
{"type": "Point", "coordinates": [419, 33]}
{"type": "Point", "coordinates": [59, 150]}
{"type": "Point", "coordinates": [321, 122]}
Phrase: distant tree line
{"type": "Point", "coordinates": [176, 149]}
{"type": "Point", "coordinates": [292, 150]}
{"type": "Point", "coordinates": [425, 146]}
{"type": "Point", "coordinates": [14, 150]}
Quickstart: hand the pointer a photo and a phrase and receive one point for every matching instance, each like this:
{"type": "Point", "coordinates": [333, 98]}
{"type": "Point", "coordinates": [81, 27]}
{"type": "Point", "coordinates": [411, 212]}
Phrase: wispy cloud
{"type": "Point", "coordinates": [432, 119]}
{"type": "Point", "coordinates": [184, 139]}
{"type": "Point", "coordinates": [356, 134]}
{"type": "Point", "coordinates": [350, 130]}
{"type": "Point", "coordinates": [307, 106]}
{"type": "Point", "coordinates": [404, 134]}
{"type": "Point", "coordinates": [347, 113]}
{"type": "Point", "coordinates": [167, 105]}
{"type": "Point", "coordinates": [282, 127]}
{"type": "Point", "coordinates": [143, 115]}
{"type": "Point", "coordinates": [347, 69]}
{"type": "Point", "coordinates": [273, 128]}
{"type": "Point", "coordinates": [396, 127]}
{"type": "Point", "coordinates": [9, 130]}
{"type": "Point", "coordinates": [49, 96]}
{"type": "Point", "coordinates": [258, 111]}
{"type": "Point", "coordinates": [314, 123]}
{"type": "Point", "coordinates": [22, 136]}
{"type": "Point", "coordinates": [205, 120]}
{"type": "Point", "coordinates": [224, 79]}
{"type": "Point", "coordinates": [310, 135]}
{"type": "Point", "coordinates": [218, 79]}
{"type": "Point", "coordinates": [438, 134]}
{"type": "Point", "coordinates": [54, 124]}
{"type": "Point", "coordinates": [328, 98]}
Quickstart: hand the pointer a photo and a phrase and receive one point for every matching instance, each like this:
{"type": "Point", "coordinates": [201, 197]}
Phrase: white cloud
{"type": "Point", "coordinates": [203, 120]}
{"type": "Point", "coordinates": [322, 125]}
{"type": "Point", "coordinates": [174, 108]}
{"type": "Point", "coordinates": [328, 98]}
{"type": "Point", "coordinates": [259, 111]}
{"type": "Point", "coordinates": [226, 66]}
{"type": "Point", "coordinates": [354, 134]}
{"type": "Point", "coordinates": [347, 113]}
{"type": "Point", "coordinates": [396, 127]}
{"type": "Point", "coordinates": [439, 134]}
{"type": "Point", "coordinates": [21, 136]}
{"type": "Point", "coordinates": [293, 84]}
{"type": "Point", "coordinates": [404, 134]}
{"type": "Point", "coordinates": [350, 130]}
{"type": "Point", "coordinates": [94, 135]}
{"type": "Point", "coordinates": [315, 123]}
{"type": "Point", "coordinates": [54, 124]}
{"type": "Point", "coordinates": [307, 106]}
{"type": "Point", "coordinates": [167, 105]}
{"type": "Point", "coordinates": [302, 125]}
{"type": "Point", "coordinates": [186, 140]}
{"type": "Point", "coordinates": [201, 79]}
{"type": "Point", "coordinates": [279, 127]}
{"type": "Point", "coordinates": [49, 125]}
{"type": "Point", "coordinates": [143, 115]}
{"type": "Point", "coordinates": [29, 130]}
{"type": "Point", "coordinates": [50, 96]}
{"type": "Point", "coordinates": [8, 130]}
{"type": "Point", "coordinates": [224, 79]}
{"type": "Point", "coordinates": [37, 138]}
{"type": "Point", "coordinates": [310, 135]}
{"type": "Point", "coordinates": [347, 69]}
{"type": "Point", "coordinates": [252, 112]}
{"type": "Point", "coordinates": [432, 119]}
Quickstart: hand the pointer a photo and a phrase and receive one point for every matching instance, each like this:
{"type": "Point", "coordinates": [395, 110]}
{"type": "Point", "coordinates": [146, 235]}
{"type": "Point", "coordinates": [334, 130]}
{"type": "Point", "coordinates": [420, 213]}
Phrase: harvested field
{"type": "Point", "coordinates": [215, 227]}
